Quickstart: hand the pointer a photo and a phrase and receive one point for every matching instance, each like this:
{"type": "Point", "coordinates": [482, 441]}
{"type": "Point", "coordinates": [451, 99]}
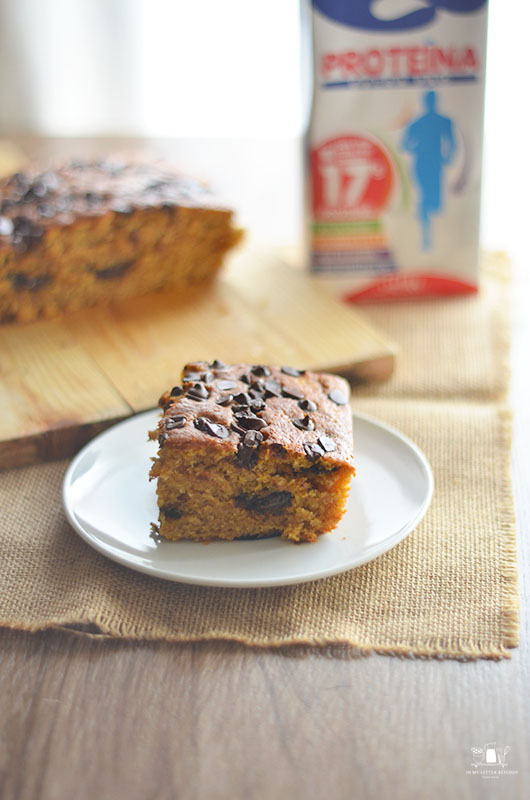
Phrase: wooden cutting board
{"type": "Point", "coordinates": [63, 381]}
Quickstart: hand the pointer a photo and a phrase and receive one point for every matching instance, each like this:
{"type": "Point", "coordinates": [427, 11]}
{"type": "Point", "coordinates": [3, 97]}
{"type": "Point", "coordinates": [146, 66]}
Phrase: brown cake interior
{"type": "Point", "coordinates": [204, 494]}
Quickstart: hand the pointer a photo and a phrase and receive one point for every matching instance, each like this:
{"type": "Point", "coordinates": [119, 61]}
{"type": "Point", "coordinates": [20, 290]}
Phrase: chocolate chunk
{"type": "Point", "coordinates": [247, 451]}
{"type": "Point", "coordinates": [19, 180]}
{"type": "Point", "coordinates": [114, 271]}
{"type": "Point", "coordinates": [296, 394]}
{"type": "Point", "coordinates": [327, 443]}
{"type": "Point", "coordinates": [6, 226]}
{"type": "Point", "coordinates": [225, 386]}
{"type": "Point", "coordinates": [237, 429]}
{"type": "Point", "coordinates": [257, 404]}
{"type": "Point", "coordinates": [294, 373]}
{"type": "Point", "coordinates": [21, 281]}
{"type": "Point", "coordinates": [313, 451]}
{"type": "Point", "coordinates": [121, 207]}
{"type": "Point", "coordinates": [305, 424]}
{"type": "Point", "coordinates": [208, 377]}
{"type": "Point", "coordinates": [63, 203]}
{"type": "Point", "coordinates": [264, 503]}
{"type": "Point", "coordinates": [25, 234]}
{"type": "Point", "coordinates": [162, 438]}
{"type": "Point", "coordinates": [50, 180]}
{"type": "Point", "coordinates": [252, 439]}
{"type": "Point", "coordinates": [225, 399]}
{"type": "Point", "coordinates": [192, 377]}
{"type": "Point", "coordinates": [272, 389]}
{"type": "Point", "coordinates": [171, 511]}
{"type": "Point", "coordinates": [176, 391]}
{"type": "Point", "coordinates": [338, 397]}
{"type": "Point", "coordinates": [245, 379]}
{"type": "Point", "coordinates": [249, 421]}
{"type": "Point", "coordinates": [260, 371]}
{"type": "Point", "coordinates": [93, 199]}
{"type": "Point", "coordinates": [257, 392]}
{"type": "Point", "coordinates": [242, 399]}
{"type": "Point", "coordinates": [36, 191]}
{"type": "Point", "coordinates": [175, 422]}
{"type": "Point", "coordinates": [206, 425]}
{"type": "Point", "coordinates": [217, 364]}
{"type": "Point", "coordinates": [46, 210]}
{"type": "Point", "coordinates": [198, 391]}
{"type": "Point", "coordinates": [246, 536]}
{"type": "Point", "coordinates": [307, 405]}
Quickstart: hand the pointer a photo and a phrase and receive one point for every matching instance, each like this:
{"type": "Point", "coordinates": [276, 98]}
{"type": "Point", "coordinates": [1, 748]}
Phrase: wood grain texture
{"type": "Point", "coordinates": [61, 381]}
{"type": "Point", "coordinates": [52, 394]}
{"type": "Point", "coordinates": [109, 720]}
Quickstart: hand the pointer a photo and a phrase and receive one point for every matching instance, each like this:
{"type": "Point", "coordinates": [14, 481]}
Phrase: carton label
{"type": "Point", "coordinates": [396, 145]}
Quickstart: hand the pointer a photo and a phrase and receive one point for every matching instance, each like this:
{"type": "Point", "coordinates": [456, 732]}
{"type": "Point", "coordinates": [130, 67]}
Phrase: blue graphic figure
{"type": "Point", "coordinates": [431, 142]}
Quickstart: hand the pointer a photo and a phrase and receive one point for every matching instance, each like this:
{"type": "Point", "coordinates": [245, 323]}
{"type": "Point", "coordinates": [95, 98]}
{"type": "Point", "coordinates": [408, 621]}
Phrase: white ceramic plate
{"type": "Point", "coordinates": [110, 502]}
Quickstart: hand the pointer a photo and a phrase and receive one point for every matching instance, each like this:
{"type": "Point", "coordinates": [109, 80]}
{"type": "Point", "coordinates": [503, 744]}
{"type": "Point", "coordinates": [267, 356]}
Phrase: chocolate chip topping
{"type": "Point", "coordinates": [208, 377]}
{"type": "Point", "coordinates": [257, 391]}
{"type": "Point", "coordinates": [327, 443]}
{"type": "Point", "coordinates": [313, 451]}
{"type": "Point", "coordinates": [260, 371]}
{"type": "Point", "coordinates": [307, 405]}
{"type": "Point", "coordinates": [26, 234]}
{"type": "Point", "coordinates": [247, 450]}
{"type": "Point", "coordinates": [175, 422]}
{"type": "Point", "coordinates": [46, 210]}
{"type": "Point", "coordinates": [296, 394]}
{"type": "Point", "coordinates": [245, 379]}
{"type": "Point", "coordinates": [242, 399]}
{"type": "Point", "coordinates": [249, 421]}
{"type": "Point", "coordinates": [272, 389]}
{"type": "Point", "coordinates": [192, 377]}
{"type": "Point", "coordinates": [121, 207]}
{"type": "Point", "coordinates": [252, 439]}
{"type": "Point", "coordinates": [198, 392]}
{"type": "Point", "coordinates": [217, 364]}
{"type": "Point", "coordinates": [304, 424]}
{"type": "Point", "coordinates": [225, 399]}
{"type": "Point", "coordinates": [205, 425]}
{"type": "Point", "coordinates": [176, 391]}
{"type": "Point", "coordinates": [338, 397]}
{"type": "Point", "coordinates": [257, 404]}
{"type": "Point", "coordinates": [225, 385]}
{"type": "Point", "coordinates": [294, 373]}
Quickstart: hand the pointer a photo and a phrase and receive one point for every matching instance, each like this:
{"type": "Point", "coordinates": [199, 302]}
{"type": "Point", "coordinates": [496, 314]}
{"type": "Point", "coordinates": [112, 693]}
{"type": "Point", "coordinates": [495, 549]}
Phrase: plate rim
{"type": "Point", "coordinates": [372, 553]}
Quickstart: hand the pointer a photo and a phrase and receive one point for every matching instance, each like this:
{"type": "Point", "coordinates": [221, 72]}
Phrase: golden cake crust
{"type": "Point", "coordinates": [290, 420]}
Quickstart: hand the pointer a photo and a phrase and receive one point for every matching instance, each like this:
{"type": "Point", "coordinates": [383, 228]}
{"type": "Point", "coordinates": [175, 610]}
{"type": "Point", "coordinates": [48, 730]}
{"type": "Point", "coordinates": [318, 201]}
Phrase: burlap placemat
{"type": "Point", "coordinates": [448, 590]}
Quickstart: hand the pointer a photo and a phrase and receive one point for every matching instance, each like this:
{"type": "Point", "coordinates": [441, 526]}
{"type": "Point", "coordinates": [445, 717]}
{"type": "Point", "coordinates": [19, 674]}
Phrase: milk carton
{"type": "Point", "coordinates": [395, 146]}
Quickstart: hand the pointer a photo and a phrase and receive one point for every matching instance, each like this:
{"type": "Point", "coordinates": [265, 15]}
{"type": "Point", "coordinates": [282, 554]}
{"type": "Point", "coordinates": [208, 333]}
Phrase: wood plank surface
{"type": "Point", "coordinates": [53, 395]}
{"type": "Point", "coordinates": [62, 381]}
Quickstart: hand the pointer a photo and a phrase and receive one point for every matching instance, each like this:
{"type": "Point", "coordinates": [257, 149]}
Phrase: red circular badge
{"type": "Point", "coordinates": [351, 179]}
